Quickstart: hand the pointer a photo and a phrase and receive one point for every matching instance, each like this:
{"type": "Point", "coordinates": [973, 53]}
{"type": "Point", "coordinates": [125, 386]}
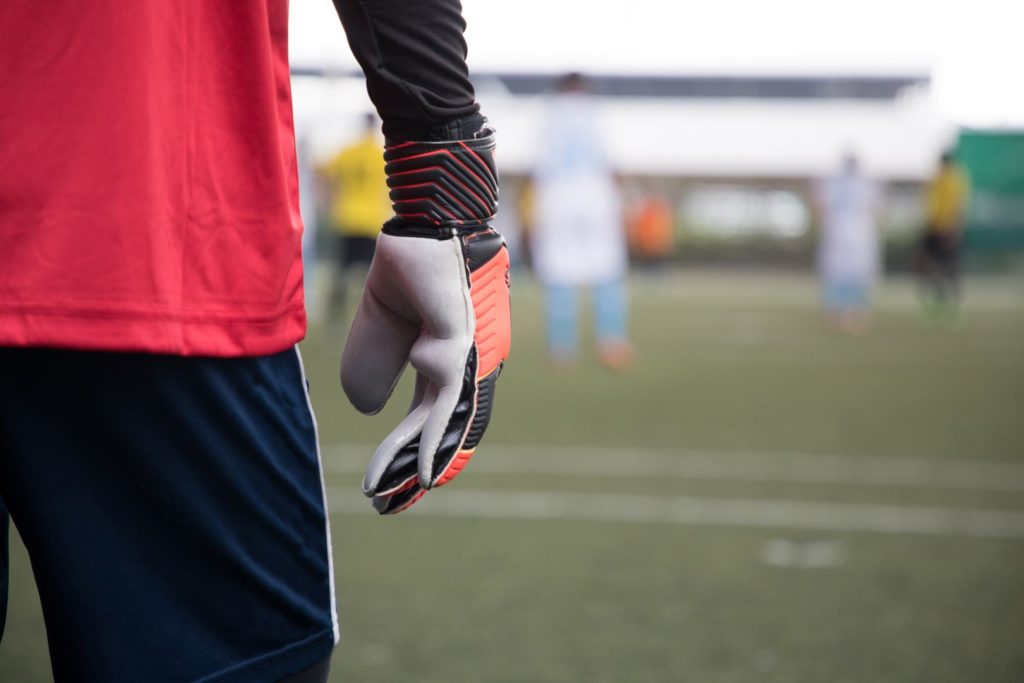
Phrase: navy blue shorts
{"type": "Point", "coordinates": [173, 509]}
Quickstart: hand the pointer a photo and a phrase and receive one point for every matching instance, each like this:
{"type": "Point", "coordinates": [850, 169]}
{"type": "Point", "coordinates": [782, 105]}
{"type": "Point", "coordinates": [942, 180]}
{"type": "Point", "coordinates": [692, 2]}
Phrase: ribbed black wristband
{"type": "Point", "coordinates": [449, 184]}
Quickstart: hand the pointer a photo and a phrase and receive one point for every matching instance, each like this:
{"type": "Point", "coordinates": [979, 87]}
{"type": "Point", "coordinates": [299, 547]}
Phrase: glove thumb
{"type": "Point", "coordinates": [375, 353]}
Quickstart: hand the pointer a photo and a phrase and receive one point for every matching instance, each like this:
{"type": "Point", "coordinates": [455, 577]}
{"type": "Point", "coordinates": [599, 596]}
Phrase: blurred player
{"type": "Point", "coordinates": [938, 257]}
{"type": "Point", "coordinates": [579, 240]}
{"type": "Point", "coordinates": [848, 254]}
{"type": "Point", "coordinates": [158, 452]}
{"type": "Point", "coordinates": [359, 205]}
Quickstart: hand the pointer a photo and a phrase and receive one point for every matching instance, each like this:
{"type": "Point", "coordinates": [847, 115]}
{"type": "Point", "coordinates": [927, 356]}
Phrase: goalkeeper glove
{"type": "Point", "coordinates": [437, 297]}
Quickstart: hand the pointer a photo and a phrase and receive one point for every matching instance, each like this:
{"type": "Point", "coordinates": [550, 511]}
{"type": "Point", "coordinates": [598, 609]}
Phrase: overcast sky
{"type": "Point", "coordinates": [974, 50]}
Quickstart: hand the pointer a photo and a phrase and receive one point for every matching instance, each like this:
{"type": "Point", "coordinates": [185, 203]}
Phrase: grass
{"type": "Point", "coordinates": [727, 363]}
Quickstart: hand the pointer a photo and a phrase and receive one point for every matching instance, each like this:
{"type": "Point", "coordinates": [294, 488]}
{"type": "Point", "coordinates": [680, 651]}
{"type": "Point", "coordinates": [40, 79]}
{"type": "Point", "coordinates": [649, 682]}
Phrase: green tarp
{"type": "Point", "coordinates": [994, 159]}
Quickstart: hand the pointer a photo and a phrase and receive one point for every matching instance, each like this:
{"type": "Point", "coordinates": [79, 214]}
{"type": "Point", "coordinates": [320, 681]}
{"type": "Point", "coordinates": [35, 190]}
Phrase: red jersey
{"type": "Point", "coordinates": [148, 184]}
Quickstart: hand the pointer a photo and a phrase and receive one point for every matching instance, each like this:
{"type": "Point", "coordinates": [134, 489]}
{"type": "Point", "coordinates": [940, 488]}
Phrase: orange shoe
{"type": "Point", "coordinates": [616, 355]}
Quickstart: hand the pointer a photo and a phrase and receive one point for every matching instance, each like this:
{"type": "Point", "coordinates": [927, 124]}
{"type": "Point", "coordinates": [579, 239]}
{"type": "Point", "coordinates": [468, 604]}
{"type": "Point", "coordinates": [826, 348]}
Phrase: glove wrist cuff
{"type": "Point", "coordinates": [442, 185]}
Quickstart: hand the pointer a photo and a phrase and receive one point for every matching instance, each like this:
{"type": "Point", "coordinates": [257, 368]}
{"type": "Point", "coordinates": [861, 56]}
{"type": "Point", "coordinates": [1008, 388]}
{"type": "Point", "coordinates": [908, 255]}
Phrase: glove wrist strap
{"type": "Point", "coordinates": [442, 188]}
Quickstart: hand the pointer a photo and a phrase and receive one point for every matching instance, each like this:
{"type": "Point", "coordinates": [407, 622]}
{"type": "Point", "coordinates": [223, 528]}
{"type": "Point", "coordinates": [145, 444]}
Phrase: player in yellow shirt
{"type": "Point", "coordinates": [359, 205]}
{"type": "Point", "coordinates": [938, 259]}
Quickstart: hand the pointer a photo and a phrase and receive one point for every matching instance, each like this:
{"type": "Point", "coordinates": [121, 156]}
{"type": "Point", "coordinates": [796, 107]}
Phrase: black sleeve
{"type": "Point", "coordinates": [413, 54]}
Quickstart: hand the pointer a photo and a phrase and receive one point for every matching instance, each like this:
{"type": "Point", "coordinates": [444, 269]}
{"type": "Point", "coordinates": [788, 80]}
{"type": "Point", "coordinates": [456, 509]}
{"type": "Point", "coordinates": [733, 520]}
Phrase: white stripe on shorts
{"type": "Point", "coordinates": [323, 492]}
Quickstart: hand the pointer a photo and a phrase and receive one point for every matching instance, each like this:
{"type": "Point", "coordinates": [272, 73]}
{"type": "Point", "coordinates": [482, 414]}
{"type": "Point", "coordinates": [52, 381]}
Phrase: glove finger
{"type": "Point", "coordinates": [484, 405]}
{"type": "Point", "coordinates": [489, 280]}
{"type": "Point", "coordinates": [375, 353]}
{"type": "Point", "coordinates": [457, 446]}
{"type": "Point", "coordinates": [443, 361]}
{"type": "Point", "coordinates": [488, 262]}
{"type": "Point", "coordinates": [395, 459]}
{"type": "Point", "coordinates": [442, 433]}
{"type": "Point", "coordinates": [400, 500]}
{"type": "Point", "coordinates": [399, 488]}
{"type": "Point", "coordinates": [397, 467]}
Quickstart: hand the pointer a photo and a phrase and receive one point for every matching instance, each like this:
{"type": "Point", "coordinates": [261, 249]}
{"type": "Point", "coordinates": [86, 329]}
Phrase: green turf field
{"type": "Point", "coordinates": [756, 500]}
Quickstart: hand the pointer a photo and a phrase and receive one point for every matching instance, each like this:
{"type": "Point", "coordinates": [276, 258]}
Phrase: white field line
{"type": "Point", "coordinates": [736, 291]}
{"type": "Point", "coordinates": [641, 463]}
{"type": "Point", "coordinates": [686, 510]}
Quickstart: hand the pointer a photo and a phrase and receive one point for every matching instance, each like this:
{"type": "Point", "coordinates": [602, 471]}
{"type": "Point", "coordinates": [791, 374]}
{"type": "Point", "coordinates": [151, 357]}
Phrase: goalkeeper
{"type": "Point", "coordinates": [158, 451]}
